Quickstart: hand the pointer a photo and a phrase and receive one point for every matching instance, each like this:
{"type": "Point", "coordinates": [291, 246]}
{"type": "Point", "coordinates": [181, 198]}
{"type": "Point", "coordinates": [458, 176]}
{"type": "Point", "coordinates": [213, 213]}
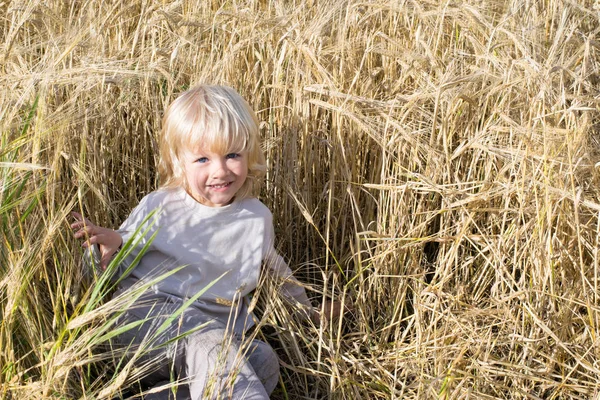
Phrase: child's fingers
{"type": "Point", "coordinates": [79, 224]}
{"type": "Point", "coordinates": [79, 234]}
{"type": "Point", "coordinates": [77, 216]}
{"type": "Point", "coordinates": [95, 239]}
{"type": "Point", "coordinates": [86, 230]}
{"type": "Point", "coordinates": [80, 218]}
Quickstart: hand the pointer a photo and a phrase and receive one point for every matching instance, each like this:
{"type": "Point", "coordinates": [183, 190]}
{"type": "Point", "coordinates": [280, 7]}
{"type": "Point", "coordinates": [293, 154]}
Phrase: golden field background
{"type": "Point", "coordinates": [433, 162]}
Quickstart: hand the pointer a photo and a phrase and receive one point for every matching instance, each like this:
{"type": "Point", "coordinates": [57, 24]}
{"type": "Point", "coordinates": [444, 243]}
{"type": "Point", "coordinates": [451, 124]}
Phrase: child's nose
{"type": "Point", "coordinates": [220, 168]}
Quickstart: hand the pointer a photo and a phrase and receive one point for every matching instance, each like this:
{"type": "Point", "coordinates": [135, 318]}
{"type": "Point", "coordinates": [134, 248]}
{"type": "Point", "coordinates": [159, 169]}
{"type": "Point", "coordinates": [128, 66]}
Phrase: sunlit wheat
{"type": "Point", "coordinates": [432, 162]}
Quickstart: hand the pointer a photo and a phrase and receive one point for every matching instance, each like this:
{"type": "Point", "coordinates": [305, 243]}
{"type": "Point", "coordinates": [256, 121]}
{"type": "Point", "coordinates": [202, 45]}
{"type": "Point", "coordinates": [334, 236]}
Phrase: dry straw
{"type": "Point", "coordinates": [433, 162]}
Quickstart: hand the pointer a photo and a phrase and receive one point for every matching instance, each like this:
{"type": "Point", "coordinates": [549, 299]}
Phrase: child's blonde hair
{"type": "Point", "coordinates": [213, 118]}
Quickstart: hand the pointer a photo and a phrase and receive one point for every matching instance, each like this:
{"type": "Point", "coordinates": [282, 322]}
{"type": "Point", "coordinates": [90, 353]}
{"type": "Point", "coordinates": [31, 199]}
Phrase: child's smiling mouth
{"type": "Point", "coordinates": [220, 185]}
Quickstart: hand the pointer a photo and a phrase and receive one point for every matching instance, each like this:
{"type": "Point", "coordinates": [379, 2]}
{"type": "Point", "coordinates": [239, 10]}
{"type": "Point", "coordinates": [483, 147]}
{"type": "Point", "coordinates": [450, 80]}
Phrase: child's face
{"type": "Point", "coordinates": [214, 178]}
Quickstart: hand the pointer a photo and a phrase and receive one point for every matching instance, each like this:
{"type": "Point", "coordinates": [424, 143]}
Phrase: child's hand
{"type": "Point", "coordinates": [108, 240]}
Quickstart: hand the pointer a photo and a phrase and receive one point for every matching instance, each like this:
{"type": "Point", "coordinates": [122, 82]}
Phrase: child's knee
{"type": "Point", "coordinates": [265, 363]}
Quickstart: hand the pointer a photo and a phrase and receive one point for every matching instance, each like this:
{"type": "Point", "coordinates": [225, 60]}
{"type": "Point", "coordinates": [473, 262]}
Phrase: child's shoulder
{"type": "Point", "coordinates": [255, 206]}
{"type": "Point", "coordinates": [159, 197]}
{"type": "Point", "coordinates": [158, 200]}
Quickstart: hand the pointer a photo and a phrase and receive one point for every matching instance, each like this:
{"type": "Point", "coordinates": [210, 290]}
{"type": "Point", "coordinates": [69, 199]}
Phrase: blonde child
{"type": "Point", "coordinates": [210, 167]}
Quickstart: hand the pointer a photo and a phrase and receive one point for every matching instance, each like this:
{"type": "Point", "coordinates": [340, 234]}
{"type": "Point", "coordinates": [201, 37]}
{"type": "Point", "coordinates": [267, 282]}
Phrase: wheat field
{"type": "Point", "coordinates": [435, 164]}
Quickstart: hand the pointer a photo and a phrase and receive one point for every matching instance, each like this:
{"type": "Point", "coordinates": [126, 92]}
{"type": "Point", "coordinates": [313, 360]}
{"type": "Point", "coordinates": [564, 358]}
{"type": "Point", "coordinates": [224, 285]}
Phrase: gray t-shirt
{"type": "Point", "coordinates": [223, 244]}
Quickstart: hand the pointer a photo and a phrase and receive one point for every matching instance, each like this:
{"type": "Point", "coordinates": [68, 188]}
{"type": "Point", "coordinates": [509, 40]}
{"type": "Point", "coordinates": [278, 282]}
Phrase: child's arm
{"type": "Point", "coordinates": [291, 288]}
{"type": "Point", "coordinates": [108, 241]}
{"type": "Point", "coordinates": [294, 290]}
{"type": "Point", "coordinates": [102, 244]}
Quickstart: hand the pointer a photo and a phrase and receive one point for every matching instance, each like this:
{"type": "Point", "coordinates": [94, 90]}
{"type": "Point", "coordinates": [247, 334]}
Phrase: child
{"type": "Point", "coordinates": [208, 221]}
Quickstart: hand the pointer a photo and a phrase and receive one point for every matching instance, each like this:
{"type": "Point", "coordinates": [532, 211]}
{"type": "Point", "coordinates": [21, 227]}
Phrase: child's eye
{"type": "Point", "coordinates": [232, 155]}
{"type": "Point", "coordinates": [202, 160]}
